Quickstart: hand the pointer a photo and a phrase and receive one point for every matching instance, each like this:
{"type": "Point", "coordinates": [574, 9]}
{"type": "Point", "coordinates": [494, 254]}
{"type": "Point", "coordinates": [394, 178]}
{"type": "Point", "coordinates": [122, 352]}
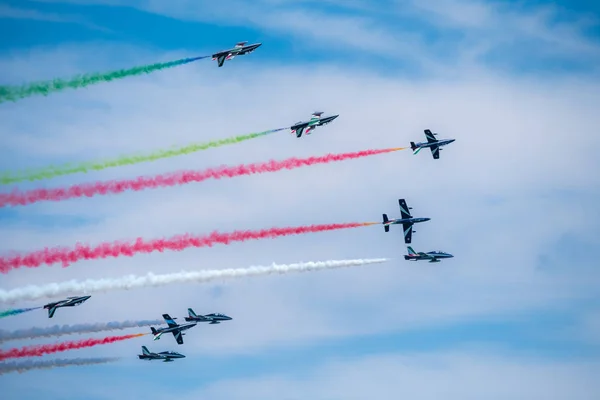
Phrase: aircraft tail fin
{"type": "Point", "coordinates": [191, 313]}
{"type": "Point", "coordinates": [386, 220]}
{"type": "Point", "coordinates": [411, 252]}
{"type": "Point", "coordinates": [416, 149]}
{"type": "Point", "coordinates": [154, 331]}
{"type": "Point", "coordinates": [51, 311]}
{"type": "Point", "coordinates": [145, 350]}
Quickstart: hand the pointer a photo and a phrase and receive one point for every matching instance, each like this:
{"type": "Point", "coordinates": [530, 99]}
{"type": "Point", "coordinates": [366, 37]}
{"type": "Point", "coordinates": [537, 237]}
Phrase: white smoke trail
{"type": "Point", "coordinates": [58, 330]}
{"type": "Point", "coordinates": [61, 362]}
{"type": "Point", "coordinates": [33, 292]}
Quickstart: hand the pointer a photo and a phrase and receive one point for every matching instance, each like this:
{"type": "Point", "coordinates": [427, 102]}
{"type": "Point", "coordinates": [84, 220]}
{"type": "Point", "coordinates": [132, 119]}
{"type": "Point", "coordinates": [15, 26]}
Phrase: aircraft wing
{"type": "Point", "coordinates": [404, 212]}
{"type": "Point", "coordinates": [178, 337]}
{"type": "Point", "coordinates": [407, 228]}
{"type": "Point", "coordinates": [223, 53]}
{"type": "Point", "coordinates": [435, 152]}
{"type": "Point", "coordinates": [430, 137]}
{"type": "Point", "coordinates": [51, 311]}
{"type": "Point", "coordinates": [221, 59]}
{"type": "Point", "coordinates": [248, 49]}
{"type": "Point", "coordinates": [299, 128]}
{"type": "Point", "coordinates": [170, 321]}
{"type": "Point", "coordinates": [425, 255]}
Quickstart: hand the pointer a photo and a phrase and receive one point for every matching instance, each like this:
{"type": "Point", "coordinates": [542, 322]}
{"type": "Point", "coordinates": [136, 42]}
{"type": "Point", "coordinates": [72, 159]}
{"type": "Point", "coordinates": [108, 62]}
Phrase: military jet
{"type": "Point", "coordinates": [215, 318]}
{"type": "Point", "coordinates": [433, 143]}
{"type": "Point", "coordinates": [166, 356]}
{"type": "Point", "coordinates": [301, 127]}
{"type": "Point", "coordinates": [174, 328]}
{"type": "Point", "coordinates": [68, 302]}
{"type": "Point", "coordinates": [405, 219]}
{"type": "Point", "coordinates": [238, 50]}
{"type": "Point", "coordinates": [432, 256]}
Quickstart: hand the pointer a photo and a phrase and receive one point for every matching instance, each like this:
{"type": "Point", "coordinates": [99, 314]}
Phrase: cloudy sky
{"type": "Point", "coordinates": [516, 313]}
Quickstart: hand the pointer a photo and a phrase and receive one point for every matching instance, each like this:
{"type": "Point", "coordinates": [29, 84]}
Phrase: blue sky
{"type": "Point", "coordinates": [516, 313]}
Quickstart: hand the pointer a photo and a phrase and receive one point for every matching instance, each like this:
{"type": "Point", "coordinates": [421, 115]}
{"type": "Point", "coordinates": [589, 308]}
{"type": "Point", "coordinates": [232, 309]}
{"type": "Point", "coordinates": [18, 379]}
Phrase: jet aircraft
{"type": "Point", "coordinates": [434, 144]}
{"type": "Point", "coordinates": [405, 219]}
{"type": "Point", "coordinates": [166, 356]}
{"type": "Point", "coordinates": [68, 302]}
{"type": "Point", "coordinates": [432, 256]}
{"type": "Point", "coordinates": [238, 50]}
{"type": "Point", "coordinates": [214, 318]}
{"type": "Point", "coordinates": [301, 127]}
{"type": "Point", "coordinates": [174, 328]}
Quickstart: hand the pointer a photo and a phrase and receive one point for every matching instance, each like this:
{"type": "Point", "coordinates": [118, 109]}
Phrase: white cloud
{"type": "Point", "coordinates": [7, 11]}
{"type": "Point", "coordinates": [469, 375]}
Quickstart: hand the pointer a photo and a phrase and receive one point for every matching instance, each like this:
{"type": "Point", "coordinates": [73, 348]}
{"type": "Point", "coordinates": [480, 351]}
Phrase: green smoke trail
{"type": "Point", "coordinates": [16, 311]}
{"type": "Point", "coordinates": [67, 169]}
{"type": "Point", "coordinates": [14, 93]}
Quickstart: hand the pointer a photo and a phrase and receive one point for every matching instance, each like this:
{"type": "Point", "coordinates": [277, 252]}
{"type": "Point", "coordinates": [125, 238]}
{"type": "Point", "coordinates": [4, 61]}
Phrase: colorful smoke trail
{"type": "Point", "coordinates": [42, 349]}
{"type": "Point", "coordinates": [14, 93]}
{"type": "Point", "coordinates": [67, 256]}
{"type": "Point", "coordinates": [17, 197]}
{"type": "Point", "coordinates": [129, 282]}
{"type": "Point", "coordinates": [67, 169]}
{"type": "Point", "coordinates": [28, 365]}
{"type": "Point", "coordinates": [60, 330]}
{"type": "Point", "coordinates": [16, 311]}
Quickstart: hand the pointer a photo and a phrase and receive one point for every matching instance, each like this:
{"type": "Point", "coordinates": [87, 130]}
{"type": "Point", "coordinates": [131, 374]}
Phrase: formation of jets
{"type": "Point", "coordinates": [407, 221]}
{"type": "Point", "coordinates": [177, 331]}
{"type": "Point", "coordinates": [299, 128]}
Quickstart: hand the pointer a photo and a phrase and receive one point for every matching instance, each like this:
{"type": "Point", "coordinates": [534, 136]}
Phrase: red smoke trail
{"type": "Point", "coordinates": [17, 197]}
{"type": "Point", "coordinates": [176, 243]}
{"type": "Point", "coordinates": [40, 350]}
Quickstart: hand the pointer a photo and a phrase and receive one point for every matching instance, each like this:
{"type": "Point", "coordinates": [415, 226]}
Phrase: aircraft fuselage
{"type": "Point", "coordinates": [439, 143]}
{"type": "Point", "coordinates": [436, 256]}
{"type": "Point", "coordinates": [314, 122]}
{"type": "Point", "coordinates": [406, 221]}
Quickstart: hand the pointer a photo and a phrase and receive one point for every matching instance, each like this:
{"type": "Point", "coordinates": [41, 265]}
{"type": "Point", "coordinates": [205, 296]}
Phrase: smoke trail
{"type": "Point", "coordinates": [57, 330]}
{"type": "Point", "coordinates": [151, 280]}
{"type": "Point", "coordinates": [40, 350]}
{"type": "Point", "coordinates": [178, 178]}
{"type": "Point", "coordinates": [27, 365]}
{"type": "Point", "coordinates": [175, 243]}
{"type": "Point", "coordinates": [14, 93]}
{"type": "Point", "coordinates": [55, 171]}
{"type": "Point", "coordinates": [16, 311]}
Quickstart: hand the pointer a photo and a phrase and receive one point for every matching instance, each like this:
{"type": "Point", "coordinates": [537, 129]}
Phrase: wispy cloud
{"type": "Point", "coordinates": [430, 34]}
{"type": "Point", "coordinates": [7, 11]}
